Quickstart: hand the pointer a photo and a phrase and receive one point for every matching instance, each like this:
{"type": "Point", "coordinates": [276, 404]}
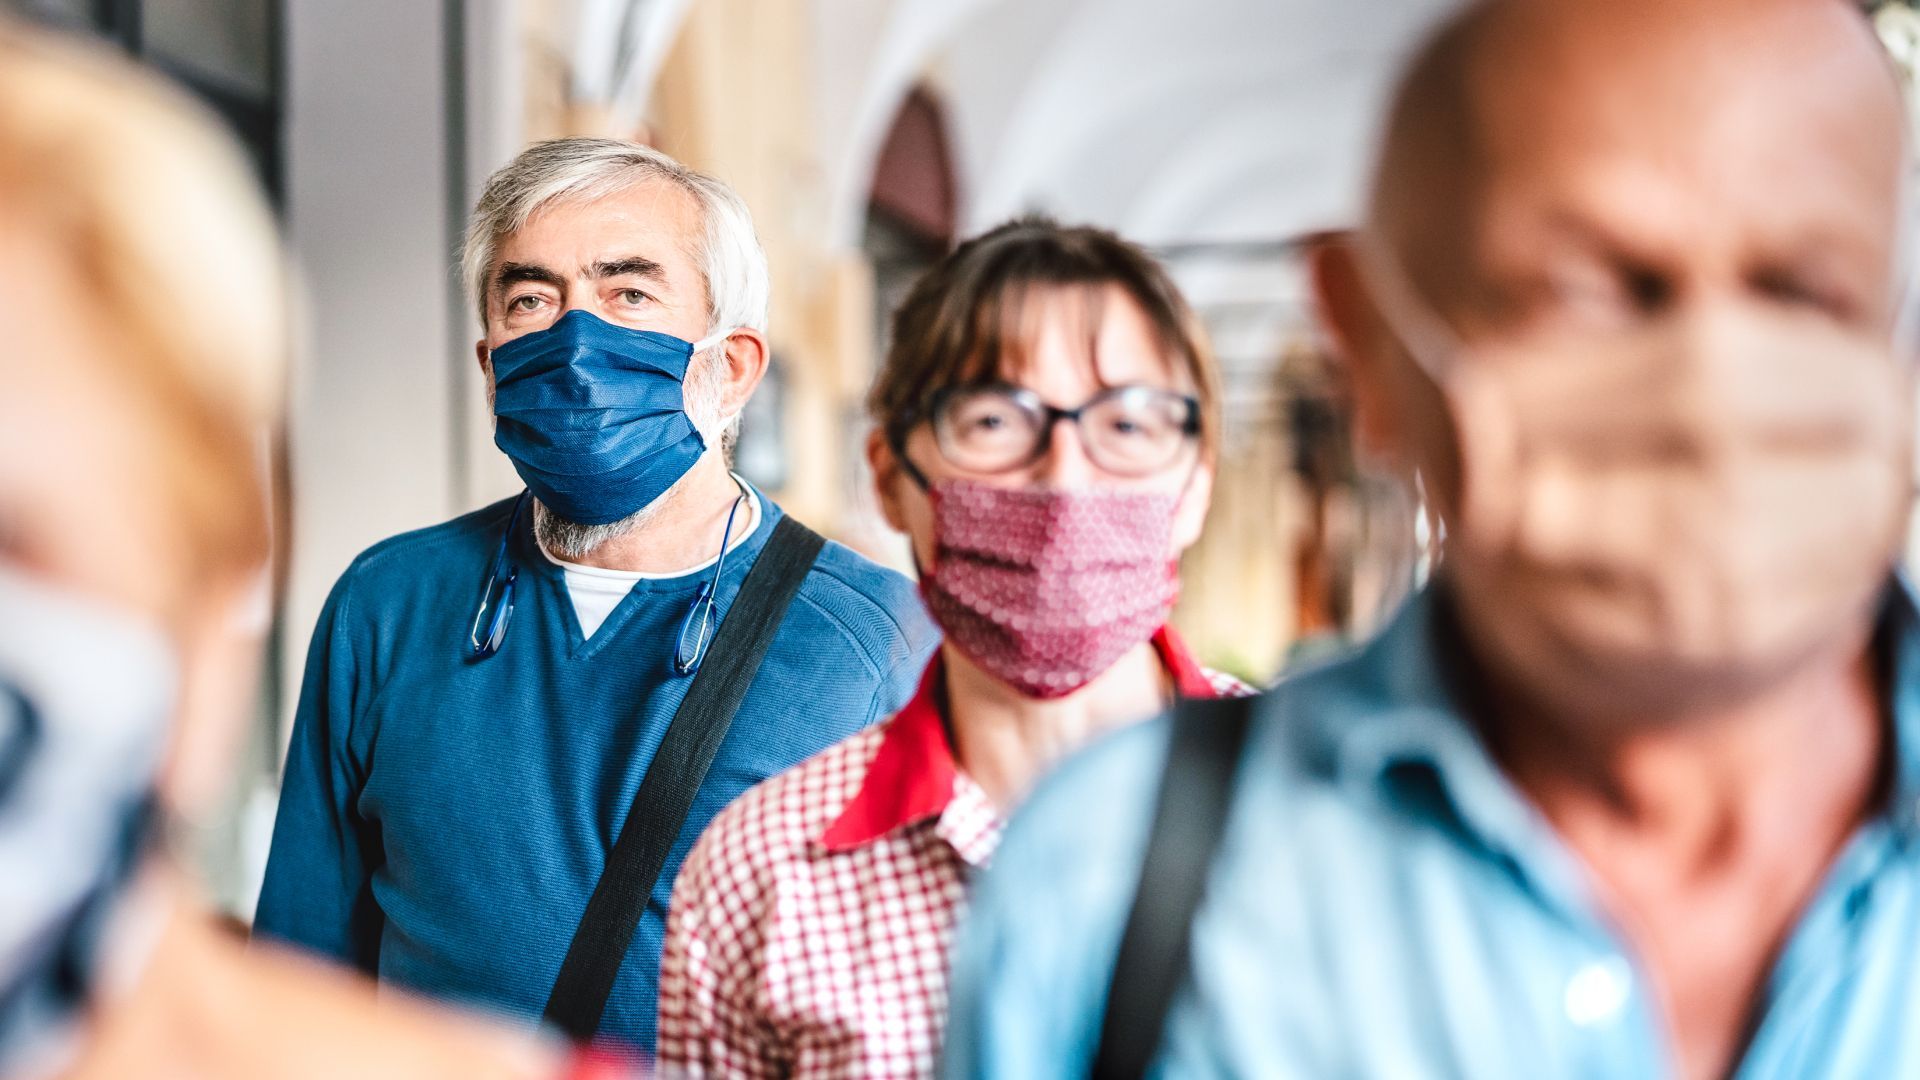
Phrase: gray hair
{"type": "Point", "coordinates": [584, 169]}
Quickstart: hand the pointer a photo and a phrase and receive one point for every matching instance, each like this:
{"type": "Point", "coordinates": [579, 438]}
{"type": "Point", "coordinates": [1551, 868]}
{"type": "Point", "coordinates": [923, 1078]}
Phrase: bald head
{"type": "Point", "coordinates": [1627, 180]}
{"type": "Point", "coordinates": [1533, 141]}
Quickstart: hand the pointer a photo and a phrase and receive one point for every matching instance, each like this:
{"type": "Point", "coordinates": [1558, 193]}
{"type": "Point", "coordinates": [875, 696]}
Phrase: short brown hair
{"type": "Point", "coordinates": [962, 319]}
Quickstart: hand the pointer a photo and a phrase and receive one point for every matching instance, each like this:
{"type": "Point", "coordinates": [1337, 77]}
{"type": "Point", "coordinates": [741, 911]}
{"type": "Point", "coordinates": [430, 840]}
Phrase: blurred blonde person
{"type": "Point", "coordinates": [139, 381]}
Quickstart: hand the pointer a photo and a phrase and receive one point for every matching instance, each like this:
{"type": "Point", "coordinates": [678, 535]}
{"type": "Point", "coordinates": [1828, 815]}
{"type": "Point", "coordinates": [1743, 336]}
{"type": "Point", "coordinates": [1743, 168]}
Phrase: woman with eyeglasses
{"type": "Point", "coordinates": [1045, 436]}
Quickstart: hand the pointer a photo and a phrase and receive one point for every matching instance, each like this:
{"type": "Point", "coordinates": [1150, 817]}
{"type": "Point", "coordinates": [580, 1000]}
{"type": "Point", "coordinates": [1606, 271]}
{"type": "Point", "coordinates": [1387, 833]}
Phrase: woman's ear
{"type": "Point", "coordinates": [1190, 515]}
{"type": "Point", "coordinates": [485, 356]}
{"type": "Point", "coordinates": [887, 478]}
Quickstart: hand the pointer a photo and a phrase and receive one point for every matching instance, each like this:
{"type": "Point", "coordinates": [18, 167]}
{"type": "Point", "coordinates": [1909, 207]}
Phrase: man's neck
{"type": "Point", "coordinates": [1706, 837]}
{"type": "Point", "coordinates": [1005, 740]}
{"type": "Point", "coordinates": [683, 530]}
{"type": "Point", "coordinates": [1690, 786]}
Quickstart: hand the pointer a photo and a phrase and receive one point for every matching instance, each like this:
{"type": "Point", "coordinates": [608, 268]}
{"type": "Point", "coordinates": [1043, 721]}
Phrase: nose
{"type": "Point", "coordinates": [1065, 463]}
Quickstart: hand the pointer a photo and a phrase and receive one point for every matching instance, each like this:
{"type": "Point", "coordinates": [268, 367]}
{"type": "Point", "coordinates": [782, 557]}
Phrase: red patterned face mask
{"type": "Point", "coordinates": [1045, 589]}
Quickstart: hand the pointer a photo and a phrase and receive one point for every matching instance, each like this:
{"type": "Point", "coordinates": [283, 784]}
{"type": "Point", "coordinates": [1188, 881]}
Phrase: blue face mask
{"type": "Point", "coordinates": [594, 417]}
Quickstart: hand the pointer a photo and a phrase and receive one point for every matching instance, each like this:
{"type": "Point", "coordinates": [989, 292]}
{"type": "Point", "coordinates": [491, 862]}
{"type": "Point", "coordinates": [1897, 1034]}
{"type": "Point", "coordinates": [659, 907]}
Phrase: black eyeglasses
{"type": "Point", "coordinates": [1127, 430]}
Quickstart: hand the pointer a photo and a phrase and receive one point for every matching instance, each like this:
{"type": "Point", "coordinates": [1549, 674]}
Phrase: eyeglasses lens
{"type": "Point", "coordinates": [1129, 431]}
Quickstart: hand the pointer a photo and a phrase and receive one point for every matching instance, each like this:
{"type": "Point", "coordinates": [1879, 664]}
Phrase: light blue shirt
{"type": "Point", "coordinates": [1387, 904]}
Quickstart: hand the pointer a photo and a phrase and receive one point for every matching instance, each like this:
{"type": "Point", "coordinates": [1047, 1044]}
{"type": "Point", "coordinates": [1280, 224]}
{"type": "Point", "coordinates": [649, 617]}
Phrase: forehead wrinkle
{"type": "Point", "coordinates": [651, 202]}
{"type": "Point", "coordinates": [1085, 308]}
{"type": "Point", "coordinates": [621, 266]}
{"type": "Point", "coordinates": [512, 273]}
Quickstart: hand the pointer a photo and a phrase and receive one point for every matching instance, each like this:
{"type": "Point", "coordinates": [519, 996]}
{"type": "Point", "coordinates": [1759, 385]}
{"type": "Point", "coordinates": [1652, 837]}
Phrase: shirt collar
{"type": "Point", "coordinates": [1398, 725]}
{"type": "Point", "coordinates": [913, 775]}
{"type": "Point", "coordinates": [1392, 717]}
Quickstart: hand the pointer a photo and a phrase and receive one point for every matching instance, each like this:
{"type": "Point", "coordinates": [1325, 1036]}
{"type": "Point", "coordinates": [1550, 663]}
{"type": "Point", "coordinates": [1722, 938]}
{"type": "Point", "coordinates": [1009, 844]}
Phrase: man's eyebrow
{"type": "Point", "coordinates": [512, 273]}
{"type": "Point", "coordinates": [636, 265]}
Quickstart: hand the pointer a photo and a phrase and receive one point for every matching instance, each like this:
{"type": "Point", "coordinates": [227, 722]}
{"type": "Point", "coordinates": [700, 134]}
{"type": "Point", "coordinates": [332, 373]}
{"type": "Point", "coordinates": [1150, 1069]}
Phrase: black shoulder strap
{"type": "Point", "coordinates": [676, 773]}
{"type": "Point", "coordinates": [1189, 817]}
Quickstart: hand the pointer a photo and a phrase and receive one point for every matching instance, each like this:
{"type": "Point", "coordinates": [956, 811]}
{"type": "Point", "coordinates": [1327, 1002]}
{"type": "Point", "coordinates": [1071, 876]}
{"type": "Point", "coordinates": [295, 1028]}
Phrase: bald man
{"type": "Point", "coordinates": [1633, 789]}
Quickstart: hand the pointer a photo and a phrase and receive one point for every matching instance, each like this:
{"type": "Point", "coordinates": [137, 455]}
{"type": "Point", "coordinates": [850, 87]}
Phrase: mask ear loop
{"type": "Point", "coordinates": [711, 340]}
{"type": "Point", "coordinates": [1892, 22]}
{"type": "Point", "coordinates": [716, 338]}
{"type": "Point", "coordinates": [897, 442]}
{"type": "Point", "coordinates": [1906, 314]}
{"type": "Point", "coordinates": [1186, 486]}
{"type": "Point", "coordinates": [1422, 332]}
{"type": "Point", "coordinates": [1427, 337]}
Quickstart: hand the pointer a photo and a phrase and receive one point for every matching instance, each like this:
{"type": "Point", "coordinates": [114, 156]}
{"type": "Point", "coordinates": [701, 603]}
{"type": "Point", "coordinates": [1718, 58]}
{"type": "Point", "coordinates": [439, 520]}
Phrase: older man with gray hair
{"type": "Point", "coordinates": [513, 725]}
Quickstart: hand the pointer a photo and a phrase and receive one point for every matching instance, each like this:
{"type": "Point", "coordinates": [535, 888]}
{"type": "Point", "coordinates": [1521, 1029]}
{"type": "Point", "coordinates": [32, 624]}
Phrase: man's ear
{"type": "Point", "coordinates": [1365, 343]}
{"type": "Point", "coordinates": [746, 355]}
{"type": "Point", "coordinates": [485, 356]}
{"type": "Point", "coordinates": [887, 478]}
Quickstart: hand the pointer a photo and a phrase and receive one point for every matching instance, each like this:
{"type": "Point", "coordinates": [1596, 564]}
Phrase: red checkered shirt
{"type": "Point", "coordinates": [809, 929]}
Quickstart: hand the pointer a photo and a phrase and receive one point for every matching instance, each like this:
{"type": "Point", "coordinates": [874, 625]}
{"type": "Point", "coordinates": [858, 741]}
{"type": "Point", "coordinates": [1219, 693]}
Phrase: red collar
{"type": "Point", "coordinates": [912, 774]}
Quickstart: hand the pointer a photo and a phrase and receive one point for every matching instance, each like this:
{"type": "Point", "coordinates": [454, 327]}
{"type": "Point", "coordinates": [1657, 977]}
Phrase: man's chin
{"type": "Point", "coordinates": [573, 541]}
{"type": "Point", "coordinates": [1589, 672]}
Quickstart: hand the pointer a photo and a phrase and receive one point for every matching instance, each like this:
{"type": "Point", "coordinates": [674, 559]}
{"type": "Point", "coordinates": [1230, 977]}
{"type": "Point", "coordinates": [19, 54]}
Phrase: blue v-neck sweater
{"type": "Point", "coordinates": [444, 819]}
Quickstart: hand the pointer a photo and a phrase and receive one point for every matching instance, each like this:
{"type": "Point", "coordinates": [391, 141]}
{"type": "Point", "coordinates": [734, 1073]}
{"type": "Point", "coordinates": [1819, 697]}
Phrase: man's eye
{"type": "Point", "coordinates": [1794, 290]}
{"type": "Point", "coordinates": [632, 296]}
{"type": "Point", "coordinates": [1589, 292]}
{"type": "Point", "coordinates": [524, 303]}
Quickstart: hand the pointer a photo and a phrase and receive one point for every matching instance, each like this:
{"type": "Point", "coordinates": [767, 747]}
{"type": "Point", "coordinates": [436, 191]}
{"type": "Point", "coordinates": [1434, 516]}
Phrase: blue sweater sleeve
{"type": "Point", "coordinates": [903, 680]}
{"type": "Point", "coordinates": [318, 892]}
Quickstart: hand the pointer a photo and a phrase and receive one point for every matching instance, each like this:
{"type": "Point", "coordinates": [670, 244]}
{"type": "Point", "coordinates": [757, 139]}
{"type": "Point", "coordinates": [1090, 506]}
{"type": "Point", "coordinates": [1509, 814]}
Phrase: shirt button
{"type": "Point", "coordinates": [1598, 992]}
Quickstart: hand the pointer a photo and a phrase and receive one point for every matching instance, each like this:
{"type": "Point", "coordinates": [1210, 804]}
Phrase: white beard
{"type": "Point", "coordinates": [701, 395]}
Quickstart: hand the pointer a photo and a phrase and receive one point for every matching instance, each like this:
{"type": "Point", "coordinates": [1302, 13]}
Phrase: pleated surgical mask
{"type": "Point", "coordinates": [594, 416]}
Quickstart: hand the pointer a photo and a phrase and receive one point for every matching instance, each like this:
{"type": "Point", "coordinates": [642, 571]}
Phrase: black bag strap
{"type": "Point", "coordinates": [1196, 790]}
{"type": "Point", "coordinates": [678, 768]}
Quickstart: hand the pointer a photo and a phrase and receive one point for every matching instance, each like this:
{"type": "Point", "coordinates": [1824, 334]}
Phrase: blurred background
{"type": "Point", "coordinates": [867, 135]}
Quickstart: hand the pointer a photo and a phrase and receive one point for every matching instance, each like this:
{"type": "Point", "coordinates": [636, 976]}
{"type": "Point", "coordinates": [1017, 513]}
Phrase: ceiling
{"type": "Point", "coordinates": [1215, 130]}
{"type": "Point", "coordinates": [1206, 121]}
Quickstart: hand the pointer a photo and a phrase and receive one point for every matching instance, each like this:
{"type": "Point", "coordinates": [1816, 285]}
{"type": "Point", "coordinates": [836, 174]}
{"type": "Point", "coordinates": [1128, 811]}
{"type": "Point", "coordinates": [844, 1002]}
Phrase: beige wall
{"type": "Point", "coordinates": [733, 99]}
